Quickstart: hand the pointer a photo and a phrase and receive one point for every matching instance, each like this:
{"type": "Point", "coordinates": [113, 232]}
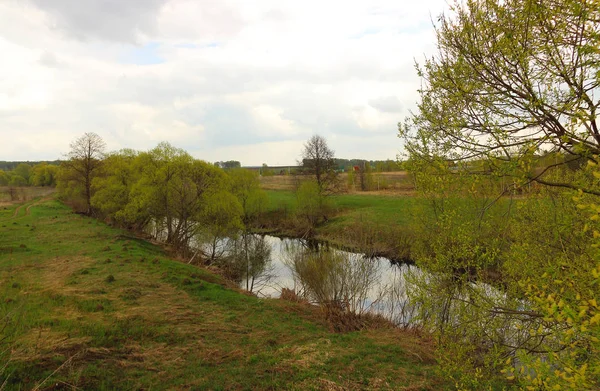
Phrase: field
{"type": "Point", "coordinates": [87, 306]}
{"type": "Point", "coordinates": [369, 222]}
{"type": "Point", "coordinates": [12, 195]}
{"type": "Point", "coordinates": [388, 182]}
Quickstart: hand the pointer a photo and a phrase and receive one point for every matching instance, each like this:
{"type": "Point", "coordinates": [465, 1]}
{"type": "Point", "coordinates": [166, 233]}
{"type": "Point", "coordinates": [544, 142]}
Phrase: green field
{"type": "Point", "coordinates": [87, 306]}
{"type": "Point", "coordinates": [385, 209]}
{"type": "Point", "coordinates": [369, 223]}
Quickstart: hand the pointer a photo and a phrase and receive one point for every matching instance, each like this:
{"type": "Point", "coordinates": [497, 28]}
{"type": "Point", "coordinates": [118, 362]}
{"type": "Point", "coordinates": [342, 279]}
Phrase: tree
{"type": "Point", "coordinates": [112, 188]}
{"type": "Point", "coordinates": [84, 161]}
{"type": "Point", "coordinates": [318, 160]}
{"type": "Point", "coordinates": [220, 220]}
{"type": "Point", "coordinates": [4, 178]}
{"type": "Point", "coordinates": [246, 187]}
{"type": "Point", "coordinates": [23, 170]}
{"type": "Point", "coordinates": [43, 174]}
{"type": "Point", "coordinates": [228, 164]}
{"type": "Point", "coordinates": [511, 79]}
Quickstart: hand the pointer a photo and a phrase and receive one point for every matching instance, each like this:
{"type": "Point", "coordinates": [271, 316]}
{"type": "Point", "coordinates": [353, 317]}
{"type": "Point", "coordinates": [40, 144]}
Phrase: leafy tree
{"type": "Point", "coordinates": [4, 178]}
{"type": "Point", "coordinates": [23, 170]}
{"type": "Point", "coordinates": [313, 206]}
{"type": "Point", "coordinates": [172, 191]}
{"type": "Point", "coordinates": [220, 220]}
{"type": "Point", "coordinates": [112, 188]}
{"type": "Point", "coordinates": [17, 180]}
{"type": "Point", "coordinates": [246, 187]}
{"type": "Point", "coordinates": [510, 79]}
{"type": "Point", "coordinates": [82, 166]}
{"type": "Point", "coordinates": [43, 174]}
{"type": "Point", "coordinates": [265, 170]}
{"type": "Point", "coordinates": [228, 164]}
{"type": "Point", "coordinates": [318, 160]}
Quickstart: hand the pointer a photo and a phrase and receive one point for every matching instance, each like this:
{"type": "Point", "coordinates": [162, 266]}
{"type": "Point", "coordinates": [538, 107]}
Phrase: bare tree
{"type": "Point", "coordinates": [85, 158]}
{"type": "Point", "coordinates": [317, 159]}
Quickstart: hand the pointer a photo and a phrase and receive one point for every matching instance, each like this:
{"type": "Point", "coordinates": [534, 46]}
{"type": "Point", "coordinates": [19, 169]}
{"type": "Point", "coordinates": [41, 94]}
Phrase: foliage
{"type": "Point", "coordinates": [249, 260]}
{"type": "Point", "coordinates": [228, 164]}
{"type": "Point", "coordinates": [312, 205]}
{"type": "Point", "coordinates": [113, 186]}
{"type": "Point", "coordinates": [221, 219]}
{"type": "Point", "coordinates": [43, 174]}
{"type": "Point", "coordinates": [334, 279]}
{"type": "Point", "coordinates": [4, 178]}
{"type": "Point", "coordinates": [246, 187]}
{"type": "Point", "coordinates": [511, 79]}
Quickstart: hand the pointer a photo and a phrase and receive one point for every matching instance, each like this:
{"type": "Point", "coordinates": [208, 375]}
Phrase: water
{"type": "Point", "coordinates": [385, 295]}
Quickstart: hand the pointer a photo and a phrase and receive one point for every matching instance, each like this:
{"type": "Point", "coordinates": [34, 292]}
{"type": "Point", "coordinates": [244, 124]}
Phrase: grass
{"type": "Point", "coordinates": [371, 223]}
{"type": "Point", "coordinates": [385, 209]}
{"type": "Point", "coordinates": [87, 306]}
{"type": "Point", "coordinates": [398, 182]}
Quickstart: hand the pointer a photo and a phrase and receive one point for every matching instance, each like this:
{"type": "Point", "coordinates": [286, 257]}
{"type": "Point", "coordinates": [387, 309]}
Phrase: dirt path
{"type": "Point", "coordinates": [27, 208]}
{"type": "Point", "coordinates": [14, 216]}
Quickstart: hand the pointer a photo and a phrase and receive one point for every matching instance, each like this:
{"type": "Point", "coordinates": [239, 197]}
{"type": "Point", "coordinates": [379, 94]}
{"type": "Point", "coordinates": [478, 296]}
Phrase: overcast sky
{"type": "Point", "coordinates": [223, 79]}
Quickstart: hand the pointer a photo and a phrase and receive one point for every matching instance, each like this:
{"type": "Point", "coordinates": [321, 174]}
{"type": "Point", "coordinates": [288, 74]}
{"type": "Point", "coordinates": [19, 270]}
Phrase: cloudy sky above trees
{"type": "Point", "coordinates": [222, 79]}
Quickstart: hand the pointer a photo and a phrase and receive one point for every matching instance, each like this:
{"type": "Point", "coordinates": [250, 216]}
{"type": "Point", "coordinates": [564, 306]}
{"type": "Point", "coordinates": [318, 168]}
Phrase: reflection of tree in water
{"type": "Point", "coordinates": [249, 260]}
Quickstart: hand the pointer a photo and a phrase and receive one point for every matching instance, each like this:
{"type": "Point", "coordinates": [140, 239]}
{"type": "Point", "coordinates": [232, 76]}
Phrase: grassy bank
{"type": "Point", "coordinates": [86, 306]}
{"type": "Point", "coordinates": [366, 222]}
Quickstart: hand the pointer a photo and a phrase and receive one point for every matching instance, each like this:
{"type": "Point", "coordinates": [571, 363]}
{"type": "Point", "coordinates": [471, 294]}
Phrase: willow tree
{"type": "Point", "coordinates": [510, 80]}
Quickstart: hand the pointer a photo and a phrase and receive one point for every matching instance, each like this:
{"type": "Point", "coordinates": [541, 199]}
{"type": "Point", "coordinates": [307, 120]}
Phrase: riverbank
{"type": "Point", "coordinates": [87, 306]}
{"type": "Point", "coordinates": [377, 225]}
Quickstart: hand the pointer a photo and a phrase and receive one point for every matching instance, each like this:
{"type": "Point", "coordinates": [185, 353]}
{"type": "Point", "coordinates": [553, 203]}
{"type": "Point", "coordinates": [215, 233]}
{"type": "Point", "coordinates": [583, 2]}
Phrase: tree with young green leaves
{"type": "Point", "coordinates": [43, 174]}
{"type": "Point", "coordinates": [510, 80]}
{"type": "Point", "coordinates": [220, 220]}
{"type": "Point", "coordinates": [112, 188]}
{"type": "Point", "coordinates": [4, 178]}
{"type": "Point", "coordinates": [23, 170]}
{"type": "Point", "coordinates": [246, 187]}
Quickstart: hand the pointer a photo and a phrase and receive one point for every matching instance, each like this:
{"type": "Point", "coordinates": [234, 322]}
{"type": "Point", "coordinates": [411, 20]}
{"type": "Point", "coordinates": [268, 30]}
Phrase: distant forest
{"type": "Point", "coordinates": [9, 166]}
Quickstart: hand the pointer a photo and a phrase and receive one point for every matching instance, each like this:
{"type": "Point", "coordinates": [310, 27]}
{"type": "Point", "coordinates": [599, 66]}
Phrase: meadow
{"type": "Point", "coordinates": [88, 306]}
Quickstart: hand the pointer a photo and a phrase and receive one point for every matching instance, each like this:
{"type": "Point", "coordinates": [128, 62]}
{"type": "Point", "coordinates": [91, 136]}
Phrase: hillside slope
{"type": "Point", "coordinates": [86, 306]}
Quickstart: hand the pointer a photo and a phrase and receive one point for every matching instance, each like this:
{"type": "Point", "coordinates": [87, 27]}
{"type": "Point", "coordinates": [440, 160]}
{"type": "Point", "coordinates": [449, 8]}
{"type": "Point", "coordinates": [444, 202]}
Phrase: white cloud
{"type": "Point", "coordinates": [249, 81]}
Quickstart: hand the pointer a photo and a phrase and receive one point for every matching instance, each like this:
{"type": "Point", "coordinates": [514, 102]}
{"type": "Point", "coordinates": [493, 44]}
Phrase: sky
{"type": "Point", "coordinates": [223, 79]}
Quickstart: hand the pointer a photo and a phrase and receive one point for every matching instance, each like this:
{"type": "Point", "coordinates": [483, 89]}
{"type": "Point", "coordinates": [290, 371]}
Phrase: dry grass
{"type": "Point", "coordinates": [384, 183]}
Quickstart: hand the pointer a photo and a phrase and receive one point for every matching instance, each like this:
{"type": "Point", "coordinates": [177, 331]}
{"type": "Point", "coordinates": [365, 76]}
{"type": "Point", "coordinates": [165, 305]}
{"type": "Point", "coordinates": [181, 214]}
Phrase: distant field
{"type": "Point", "coordinates": [394, 182]}
{"type": "Point", "coordinates": [86, 306]}
{"type": "Point", "coordinates": [367, 206]}
{"type": "Point", "coordinates": [10, 195]}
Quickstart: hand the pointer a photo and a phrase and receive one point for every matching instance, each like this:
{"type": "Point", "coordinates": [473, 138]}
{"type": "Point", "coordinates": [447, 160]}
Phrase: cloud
{"type": "Point", "coordinates": [223, 79]}
{"type": "Point", "coordinates": [386, 104]}
{"type": "Point", "coordinates": [113, 20]}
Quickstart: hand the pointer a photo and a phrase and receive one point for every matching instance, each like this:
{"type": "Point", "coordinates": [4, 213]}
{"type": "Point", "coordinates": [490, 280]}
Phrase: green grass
{"type": "Point", "coordinates": [383, 209]}
{"type": "Point", "coordinates": [87, 306]}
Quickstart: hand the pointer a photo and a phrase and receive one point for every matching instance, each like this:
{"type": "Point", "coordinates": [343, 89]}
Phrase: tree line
{"type": "Point", "coordinates": [164, 188]}
{"type": "Point", "coordinates": [28, 174]}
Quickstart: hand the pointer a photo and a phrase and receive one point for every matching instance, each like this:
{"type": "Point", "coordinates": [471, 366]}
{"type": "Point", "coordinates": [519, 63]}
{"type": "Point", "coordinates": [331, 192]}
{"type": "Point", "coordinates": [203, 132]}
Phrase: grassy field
{"type": "Point", "coordinates": [10, 195]}
{"type": "Point", "coordinates": [86, 306]}
{"type": "Point", "coordinates": [389, 182]}
{"type": "Point", "coordinates": [366, 222]}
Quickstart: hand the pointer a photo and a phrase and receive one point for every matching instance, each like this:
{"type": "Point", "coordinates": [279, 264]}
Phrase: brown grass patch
{"type": "Point", "coordinates": [310, 355]}
{"type": "Point", "coordinates": [55, 272]}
